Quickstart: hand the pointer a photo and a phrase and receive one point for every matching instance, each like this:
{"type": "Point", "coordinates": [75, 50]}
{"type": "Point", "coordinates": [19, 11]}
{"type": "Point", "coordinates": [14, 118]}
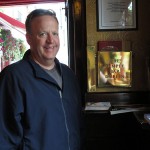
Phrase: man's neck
{"type": "Point", "coordinates": [48, 66]}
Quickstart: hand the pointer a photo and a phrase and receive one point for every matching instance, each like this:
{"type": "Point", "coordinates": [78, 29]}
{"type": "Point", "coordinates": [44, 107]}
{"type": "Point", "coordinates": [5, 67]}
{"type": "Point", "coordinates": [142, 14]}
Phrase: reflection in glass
{"type": "Point", "coordinates": [114, 69]}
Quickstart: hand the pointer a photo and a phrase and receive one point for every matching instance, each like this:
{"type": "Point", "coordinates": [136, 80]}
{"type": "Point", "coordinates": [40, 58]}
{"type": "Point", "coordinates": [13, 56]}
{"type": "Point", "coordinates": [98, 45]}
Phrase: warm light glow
{"type": "Point", "coordinates": [77, 8]}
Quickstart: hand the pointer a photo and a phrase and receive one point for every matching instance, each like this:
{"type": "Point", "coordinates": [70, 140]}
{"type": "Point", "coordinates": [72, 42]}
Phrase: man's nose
{"type": "Point", "coordinates": [50, 38]}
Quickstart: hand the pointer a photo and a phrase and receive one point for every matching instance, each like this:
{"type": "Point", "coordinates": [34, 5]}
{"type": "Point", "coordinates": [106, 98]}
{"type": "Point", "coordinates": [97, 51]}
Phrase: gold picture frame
{"type": "Point", "coordinates": [91, 69]}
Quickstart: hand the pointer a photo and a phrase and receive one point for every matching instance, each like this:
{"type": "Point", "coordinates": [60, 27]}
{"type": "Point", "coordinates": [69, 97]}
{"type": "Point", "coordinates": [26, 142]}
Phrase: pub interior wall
{"type": "Point", "coordinates": [140, 41]}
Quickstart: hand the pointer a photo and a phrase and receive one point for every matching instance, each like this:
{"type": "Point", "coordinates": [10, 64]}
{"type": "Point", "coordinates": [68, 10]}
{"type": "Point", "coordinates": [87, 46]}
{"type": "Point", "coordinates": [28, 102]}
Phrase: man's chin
{"type": "Point", "coordinates": [49, 58]}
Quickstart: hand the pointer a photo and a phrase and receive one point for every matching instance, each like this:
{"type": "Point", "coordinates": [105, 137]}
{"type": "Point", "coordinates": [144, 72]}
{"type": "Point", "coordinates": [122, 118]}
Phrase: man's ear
{"type": "Point", "coordinates": [28, 38]}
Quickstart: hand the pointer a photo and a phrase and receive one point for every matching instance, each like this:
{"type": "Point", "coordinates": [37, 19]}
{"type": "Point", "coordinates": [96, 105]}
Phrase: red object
{"type": "Point", "coordinates": [12, 21]}
{"type": "Point", "coordinates": [18, 2]}
{"type": "Point", "coordinates": [106, 45]}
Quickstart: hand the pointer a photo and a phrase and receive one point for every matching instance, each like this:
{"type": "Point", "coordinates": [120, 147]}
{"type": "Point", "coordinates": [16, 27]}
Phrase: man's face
{"type": "Point", "coordinates": [44, 39]}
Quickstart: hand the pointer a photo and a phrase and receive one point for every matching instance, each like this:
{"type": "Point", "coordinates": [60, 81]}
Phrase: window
{"type": "Point", "coordinates": [17, 33]}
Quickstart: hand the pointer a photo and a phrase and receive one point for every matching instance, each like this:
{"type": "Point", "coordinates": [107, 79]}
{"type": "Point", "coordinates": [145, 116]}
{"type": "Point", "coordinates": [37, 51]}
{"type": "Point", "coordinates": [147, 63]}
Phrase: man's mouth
{"type": "Point", "coordinates": [49, 48]}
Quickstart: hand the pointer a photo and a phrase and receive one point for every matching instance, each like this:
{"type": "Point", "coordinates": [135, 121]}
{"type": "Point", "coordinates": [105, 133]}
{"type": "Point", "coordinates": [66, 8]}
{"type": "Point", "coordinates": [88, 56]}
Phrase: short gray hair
{"type": "Point", "coordinates": [35, 13]}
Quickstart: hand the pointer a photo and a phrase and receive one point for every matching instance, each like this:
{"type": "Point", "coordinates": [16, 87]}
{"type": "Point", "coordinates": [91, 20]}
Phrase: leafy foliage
{"type": "Point", "coordinates": [12, 48]}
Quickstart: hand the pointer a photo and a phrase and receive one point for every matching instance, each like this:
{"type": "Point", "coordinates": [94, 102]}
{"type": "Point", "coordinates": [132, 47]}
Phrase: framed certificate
{"type": "Point", "coordinates": [116, 15]}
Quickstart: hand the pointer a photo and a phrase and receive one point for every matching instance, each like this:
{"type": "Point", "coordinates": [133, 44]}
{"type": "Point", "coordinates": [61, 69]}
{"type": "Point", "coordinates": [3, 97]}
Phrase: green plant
{"type": "Point", "coordinates": [12, 48]}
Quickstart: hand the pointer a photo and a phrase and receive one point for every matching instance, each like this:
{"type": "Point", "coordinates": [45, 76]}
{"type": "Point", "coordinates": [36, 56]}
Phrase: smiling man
{"type": "Point", "coordinates": [43, 38]}
{"type": "Point", "coordinates": [40, 103]}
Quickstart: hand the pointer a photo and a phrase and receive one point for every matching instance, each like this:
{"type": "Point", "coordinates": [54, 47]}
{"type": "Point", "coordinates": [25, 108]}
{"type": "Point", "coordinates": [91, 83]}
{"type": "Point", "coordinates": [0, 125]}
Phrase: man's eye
{"type": "Point", "coordinates": [55, 33]}
{"type": "Point", "coordinates": [42, 34]}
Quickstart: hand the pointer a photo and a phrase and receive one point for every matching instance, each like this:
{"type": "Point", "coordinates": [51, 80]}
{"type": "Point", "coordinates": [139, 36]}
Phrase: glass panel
{"type": "Point", "coordinates": [12, 31]}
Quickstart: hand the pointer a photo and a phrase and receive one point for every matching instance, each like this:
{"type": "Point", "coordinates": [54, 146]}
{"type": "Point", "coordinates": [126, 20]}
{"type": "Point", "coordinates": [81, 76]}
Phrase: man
{"type": "Point", "coordinates": [40, 105]}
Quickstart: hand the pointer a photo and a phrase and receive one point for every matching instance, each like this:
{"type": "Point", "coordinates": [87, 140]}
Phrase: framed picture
{"type": "Point", "coordinates": [114, 68]}
{"type": "Point", "coordinates": [91, 68]}
{"type": "Point", "coordinates": [116, 15]}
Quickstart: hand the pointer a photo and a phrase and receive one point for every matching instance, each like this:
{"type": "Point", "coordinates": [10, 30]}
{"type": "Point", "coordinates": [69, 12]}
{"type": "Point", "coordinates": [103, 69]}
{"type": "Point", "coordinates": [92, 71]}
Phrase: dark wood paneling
{"type": "Point", "coordinates": [116, 132]}
{"type": "Point", "coordinates": [136, 97]}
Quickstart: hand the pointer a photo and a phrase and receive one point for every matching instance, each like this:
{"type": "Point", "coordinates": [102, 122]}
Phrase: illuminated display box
{"type": "Point", "coordinates": [114, 68]}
